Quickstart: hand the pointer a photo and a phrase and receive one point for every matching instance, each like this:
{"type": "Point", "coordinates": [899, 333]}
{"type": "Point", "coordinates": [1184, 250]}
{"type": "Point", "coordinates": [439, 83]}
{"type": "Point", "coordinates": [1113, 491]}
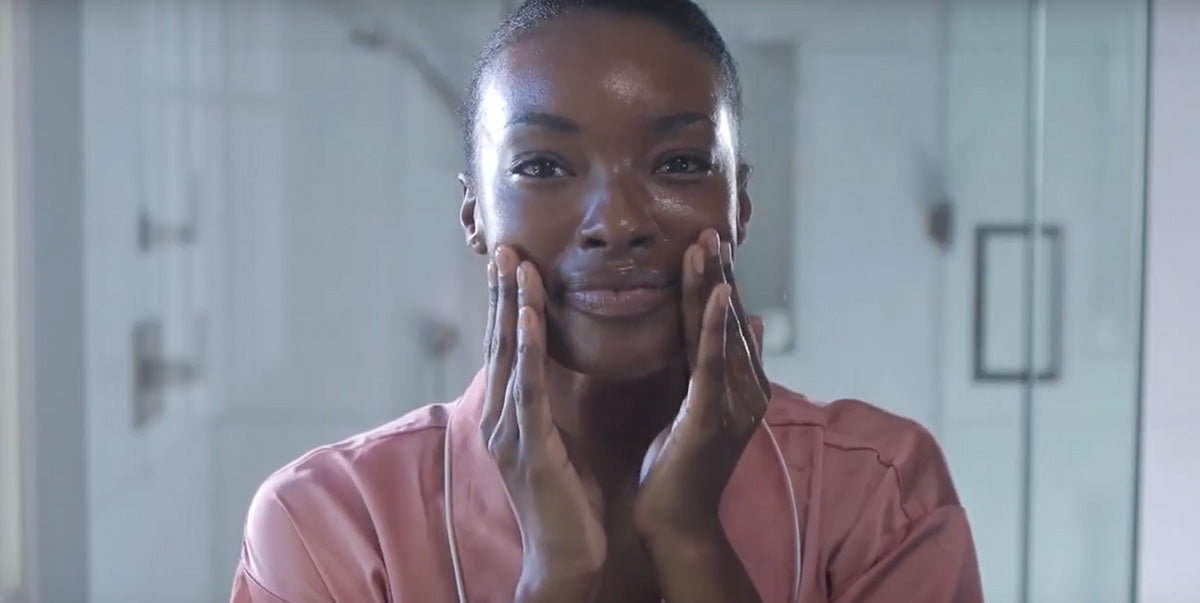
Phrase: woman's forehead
{"type": "Point", "coordinates": [592, 65]}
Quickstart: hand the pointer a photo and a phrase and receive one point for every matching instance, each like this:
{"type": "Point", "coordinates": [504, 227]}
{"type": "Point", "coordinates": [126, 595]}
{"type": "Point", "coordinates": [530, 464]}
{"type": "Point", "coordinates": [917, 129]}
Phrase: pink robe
{"type": "Point", "coordinates": [362, 521]}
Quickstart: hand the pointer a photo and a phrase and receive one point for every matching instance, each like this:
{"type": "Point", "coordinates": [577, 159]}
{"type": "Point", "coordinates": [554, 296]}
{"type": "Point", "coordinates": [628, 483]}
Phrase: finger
{"type": "Point", "coordinates": [529, 391]}
{"type": "Point", "coordinates": [527, 385]}
{"type": "Point", "coordinates": [756, 329]}
{"type": "Point", "coordinates": [503, 342]}
{"type": "Point", "coordinates": [493, 293]}
{"type": "Point", "coordinates": [727, 276]}
{"type": "Point", "coordinates": [708, 259]}
{"type": "Point", "coordinates": [530, 290]}
{"type": "Point", "coordinates": [706, 392]}
{"type": "Point", "coordinates": [713, 273]}
{"type": "Point", "coordinates": [746, 399]}
{"type": "Point", "coordinates": [752, 355]}
{"type": "Point", "coordinates": [725, 262]}
{"type": "Point", "coordinates": [491, 404]}
{"type": "Point", "coordinates": [694, 298]}
{"type": "Point", "coordinates": [531, 296]}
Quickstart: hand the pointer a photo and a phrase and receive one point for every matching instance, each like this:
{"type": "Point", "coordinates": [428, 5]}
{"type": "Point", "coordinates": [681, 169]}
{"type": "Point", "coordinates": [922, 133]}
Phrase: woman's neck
{"type": "Point", "coordinates": [608, 425]}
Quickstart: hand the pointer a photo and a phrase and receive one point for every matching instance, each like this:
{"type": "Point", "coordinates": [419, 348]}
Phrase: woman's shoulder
{"type": "Point", "coordinates": [888, 508]}
{"type": "Point", "coordinates": [327, 517]}
{"type": "Point", "coordinates": [868, 444]}
{"type": "Point", "coordinates": [880, 500]}
{"type": "Point", "coordinates": [847, 422]}
{"type": "Point", "coordinates": [381, 453]}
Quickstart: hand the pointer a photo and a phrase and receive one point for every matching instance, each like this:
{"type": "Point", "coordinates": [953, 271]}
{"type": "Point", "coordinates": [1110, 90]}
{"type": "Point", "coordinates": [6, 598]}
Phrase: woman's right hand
{"type": "Point", "coordinates": [558, 513]}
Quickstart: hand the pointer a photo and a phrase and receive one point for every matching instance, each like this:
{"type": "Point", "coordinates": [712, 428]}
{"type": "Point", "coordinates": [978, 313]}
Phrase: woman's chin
{"type": "Point", "coordinates": [618, 352]}
{"type": "Point", "coordinates": [619, 369]}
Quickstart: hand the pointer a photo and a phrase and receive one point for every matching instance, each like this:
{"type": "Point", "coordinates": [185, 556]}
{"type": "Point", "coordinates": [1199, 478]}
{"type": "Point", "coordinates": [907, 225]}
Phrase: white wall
{"type": "Point", "coordinates": [1170, 481]}
{"type": "Point", "coordinates": [147, 131]}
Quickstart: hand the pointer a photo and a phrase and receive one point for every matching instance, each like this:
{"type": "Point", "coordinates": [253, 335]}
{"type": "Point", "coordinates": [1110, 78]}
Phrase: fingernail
{"type": "Point", "coordinates": [727, 253]}
{"type": "Point", "coordinates": [726, 294]}
{"type": "Point", "coordinates": [504, 265]}
{"type": "Point", "coordinates": [713, 242]}
{"type": "Point", "coordinates": [499, 260]}
{"type": "Point", "coordinates": [491, 273]}
{"type": "Point", "coordinates": [522, 276]}
{"type": "Point", "coordinates": [698, 263]}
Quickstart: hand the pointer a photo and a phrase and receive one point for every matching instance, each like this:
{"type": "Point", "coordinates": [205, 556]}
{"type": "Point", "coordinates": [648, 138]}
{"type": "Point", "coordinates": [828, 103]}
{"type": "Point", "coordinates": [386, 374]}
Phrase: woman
{"type": "Point", "coordinates": [622, 442]}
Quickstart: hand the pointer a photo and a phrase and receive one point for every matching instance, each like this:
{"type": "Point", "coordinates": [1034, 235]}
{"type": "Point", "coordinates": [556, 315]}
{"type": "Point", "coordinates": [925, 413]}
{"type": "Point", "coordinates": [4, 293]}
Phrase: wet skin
{"type": "Point", "coordinates": [624, 381]}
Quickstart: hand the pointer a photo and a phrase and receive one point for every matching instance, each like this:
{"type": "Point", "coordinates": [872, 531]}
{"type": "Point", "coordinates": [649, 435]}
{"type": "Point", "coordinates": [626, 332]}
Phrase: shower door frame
{"type": "Point", "coordinates": [14, 474]}
{"type": "Point", "coordinates": [43, 275]}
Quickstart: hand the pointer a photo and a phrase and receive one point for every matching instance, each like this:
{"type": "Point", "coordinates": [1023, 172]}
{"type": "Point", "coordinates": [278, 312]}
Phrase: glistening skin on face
{"type": "Point", "coordinates": [603, 148]}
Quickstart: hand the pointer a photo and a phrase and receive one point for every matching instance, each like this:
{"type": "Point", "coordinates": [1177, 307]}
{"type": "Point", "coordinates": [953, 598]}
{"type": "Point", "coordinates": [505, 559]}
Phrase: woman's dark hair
{"type": "Point", "coordinates": [683, 17]}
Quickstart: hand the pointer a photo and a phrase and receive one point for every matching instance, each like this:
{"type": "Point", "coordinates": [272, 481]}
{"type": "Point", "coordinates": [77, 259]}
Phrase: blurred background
{"type": "Point", "coordinates": [229, 234]}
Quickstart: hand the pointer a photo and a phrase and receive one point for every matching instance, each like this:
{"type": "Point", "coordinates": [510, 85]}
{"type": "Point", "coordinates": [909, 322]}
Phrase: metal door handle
{"type": "Point", "coordinates": [155, 374]}
{"type": "Point", "coordinates": [153, 234]}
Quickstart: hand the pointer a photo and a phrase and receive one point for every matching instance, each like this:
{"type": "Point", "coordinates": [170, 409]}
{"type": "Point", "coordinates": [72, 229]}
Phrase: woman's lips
{"type": "Point", "coordinates": [613, 303]}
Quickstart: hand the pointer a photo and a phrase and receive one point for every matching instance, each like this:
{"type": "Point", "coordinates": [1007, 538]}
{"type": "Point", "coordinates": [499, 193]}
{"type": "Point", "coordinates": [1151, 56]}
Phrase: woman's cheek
{"type": "Point", "coordinates": [687, 216]}
{"type": "Point", "coordinates": [541, 236]}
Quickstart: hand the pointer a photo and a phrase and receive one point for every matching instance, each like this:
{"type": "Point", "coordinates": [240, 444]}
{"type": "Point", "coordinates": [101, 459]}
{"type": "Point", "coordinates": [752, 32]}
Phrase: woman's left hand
{"type": "Point", "coordinates": [686, 469]}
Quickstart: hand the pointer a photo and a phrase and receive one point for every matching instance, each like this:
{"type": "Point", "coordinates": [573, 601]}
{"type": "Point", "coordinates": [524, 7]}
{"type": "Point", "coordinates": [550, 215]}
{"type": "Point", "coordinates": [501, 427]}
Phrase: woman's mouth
{"type": "Point", "coordinates": [621, 292]}
{"type": "Point", "coordinates": [618, 303]}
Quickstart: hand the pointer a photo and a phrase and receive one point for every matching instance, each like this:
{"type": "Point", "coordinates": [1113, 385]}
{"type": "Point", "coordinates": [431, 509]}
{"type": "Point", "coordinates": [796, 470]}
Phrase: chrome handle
{"type": "Point", "coordinates": [1055, 257]}
{"type": "Point", "coordinates": [155, 374]}
{"type": "Point", "coordinates": [153, 234]}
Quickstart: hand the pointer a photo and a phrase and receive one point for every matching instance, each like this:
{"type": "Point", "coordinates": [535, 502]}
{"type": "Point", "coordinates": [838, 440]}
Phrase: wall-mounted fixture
{"type": "Point", "coordinates": [156, 374]}
{"type": "Point", "coordinates": [153, 233]}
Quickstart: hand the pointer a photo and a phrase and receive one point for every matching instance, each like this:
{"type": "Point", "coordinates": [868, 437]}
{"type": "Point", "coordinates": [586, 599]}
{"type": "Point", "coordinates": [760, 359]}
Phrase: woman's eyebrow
{"type": "Point", "coordinates": [544, 120]}
{"type": "Point", "coordinates": [665, 124]}
{"type": "Point", "coordinates": [669, 124]}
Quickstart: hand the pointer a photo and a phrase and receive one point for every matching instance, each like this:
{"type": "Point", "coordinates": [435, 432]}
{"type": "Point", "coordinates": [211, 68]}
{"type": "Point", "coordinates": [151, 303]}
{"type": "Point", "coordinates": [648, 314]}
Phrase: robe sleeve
{"type": "Point", "coordinates": [910, 540]}
{"type": "Point", "coordinates": [276, 565]}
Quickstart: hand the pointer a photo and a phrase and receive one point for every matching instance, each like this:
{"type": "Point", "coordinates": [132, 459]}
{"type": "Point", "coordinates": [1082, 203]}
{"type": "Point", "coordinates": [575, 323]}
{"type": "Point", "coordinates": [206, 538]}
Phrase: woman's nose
{"type": "Point", "coordinates": [618, 217]}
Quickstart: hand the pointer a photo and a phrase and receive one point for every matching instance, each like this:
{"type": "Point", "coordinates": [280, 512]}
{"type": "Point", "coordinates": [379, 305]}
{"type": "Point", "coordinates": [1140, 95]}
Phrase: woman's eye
{"type": "Point", "coordinates": [684, 164]}
{"type": "Point", "coordinates": [539, 168]}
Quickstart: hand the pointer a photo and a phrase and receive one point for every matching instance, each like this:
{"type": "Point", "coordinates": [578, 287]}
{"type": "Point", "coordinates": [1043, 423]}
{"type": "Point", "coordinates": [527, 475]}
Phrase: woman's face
{"type": "Point", "coordinates": [604, 147]}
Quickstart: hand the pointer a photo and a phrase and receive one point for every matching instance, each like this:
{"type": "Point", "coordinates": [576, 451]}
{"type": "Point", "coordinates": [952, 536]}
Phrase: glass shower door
{"type": "Point", "coordinates": [1045, 131]}
{"type": "Point", "coordinates": [1084, 442]}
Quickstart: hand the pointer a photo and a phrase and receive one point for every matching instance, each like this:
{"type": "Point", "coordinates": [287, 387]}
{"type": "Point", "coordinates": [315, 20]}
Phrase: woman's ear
{"type": "Point", "coordinates": [468, 216]}
{"type": "Point", "coordinates": [743, 196]}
